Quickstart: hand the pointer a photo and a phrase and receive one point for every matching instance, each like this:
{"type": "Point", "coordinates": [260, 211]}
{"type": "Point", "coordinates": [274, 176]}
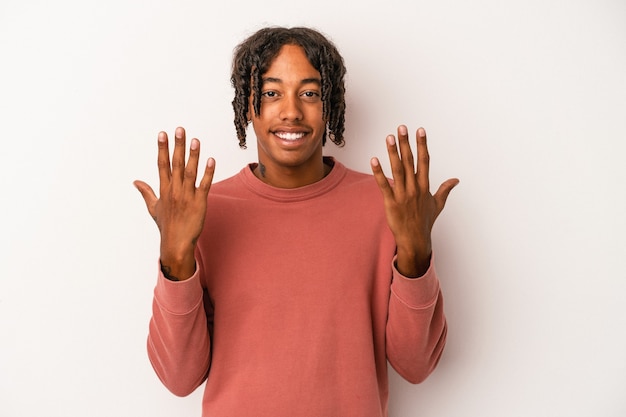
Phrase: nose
{"type": "Point", "coordinates": [291, 108]}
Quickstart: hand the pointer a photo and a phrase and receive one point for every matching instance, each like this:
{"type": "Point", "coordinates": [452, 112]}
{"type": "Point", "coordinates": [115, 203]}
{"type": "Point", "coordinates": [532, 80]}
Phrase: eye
{"type": "Point", "coordinates": [269, 94]}
{"type": "Point", "coordinates": [311, 95]}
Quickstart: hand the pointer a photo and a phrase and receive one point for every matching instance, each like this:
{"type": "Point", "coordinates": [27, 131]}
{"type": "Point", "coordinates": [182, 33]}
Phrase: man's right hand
{"type": "Point", "coordinates": [180, 210]}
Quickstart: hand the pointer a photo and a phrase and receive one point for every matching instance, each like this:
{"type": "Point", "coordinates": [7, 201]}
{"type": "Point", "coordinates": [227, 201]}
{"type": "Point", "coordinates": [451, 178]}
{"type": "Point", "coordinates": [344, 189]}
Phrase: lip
{"type": "Point", "coordinates": [290, 136]}
{"type": "Point", "coordinates": [287, 135]}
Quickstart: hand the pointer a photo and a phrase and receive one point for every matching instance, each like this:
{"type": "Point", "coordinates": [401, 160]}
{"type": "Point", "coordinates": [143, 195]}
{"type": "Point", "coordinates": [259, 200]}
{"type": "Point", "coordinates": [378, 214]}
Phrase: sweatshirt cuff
{"type": "Point", "coordinates": [178, 297]}
{"type": "Point", "coordinates": [419, 292]}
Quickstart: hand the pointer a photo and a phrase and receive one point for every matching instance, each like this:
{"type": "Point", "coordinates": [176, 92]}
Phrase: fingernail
{"type": "Point", "coordinates": [179, 132]}
{"type": "Point", "coordinates": [374, 162]}
{"type": "Point", "coordinates": [210, 163]}
{"type": "Point", "coordinates": [195, 143]}
{"type": "Point", "coordinates": [402, 130]}
{"type": "Point", "coordinates": [391, 140]}
{"type": "Point", "coordinates": [421, 131]}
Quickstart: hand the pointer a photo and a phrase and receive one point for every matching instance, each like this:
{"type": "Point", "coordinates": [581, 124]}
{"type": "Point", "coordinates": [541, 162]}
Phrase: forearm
{"type": "Point", "coordinates": [178, 340]}
{"type": "Point", "coordinates": [416, 327]}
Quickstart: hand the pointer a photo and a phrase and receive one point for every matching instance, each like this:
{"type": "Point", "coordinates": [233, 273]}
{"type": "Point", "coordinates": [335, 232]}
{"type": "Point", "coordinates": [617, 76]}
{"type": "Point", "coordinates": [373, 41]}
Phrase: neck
{"type": "Point", "coordinates": [290, 177]}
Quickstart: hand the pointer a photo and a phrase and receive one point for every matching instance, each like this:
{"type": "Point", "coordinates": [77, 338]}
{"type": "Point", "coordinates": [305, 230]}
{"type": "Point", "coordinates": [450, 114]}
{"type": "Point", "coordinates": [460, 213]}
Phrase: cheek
{"type": "Point", "coordinates": [317, 113]}
{"type": "Point", "coordinates": [256, 129]}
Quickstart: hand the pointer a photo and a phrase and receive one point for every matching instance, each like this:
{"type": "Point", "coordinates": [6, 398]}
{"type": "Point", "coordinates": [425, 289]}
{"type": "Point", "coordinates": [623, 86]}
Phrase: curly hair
{"type": "Point", "coordinates": [253, 57]}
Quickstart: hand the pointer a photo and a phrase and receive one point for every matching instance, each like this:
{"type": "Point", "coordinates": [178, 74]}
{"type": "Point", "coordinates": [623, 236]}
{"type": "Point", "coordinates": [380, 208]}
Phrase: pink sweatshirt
{"type": "Point", "coordinates": [295, 306]}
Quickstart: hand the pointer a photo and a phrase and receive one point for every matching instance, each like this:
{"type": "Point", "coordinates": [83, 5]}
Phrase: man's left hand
{"type": "Point", "coordinates": [410, 207]}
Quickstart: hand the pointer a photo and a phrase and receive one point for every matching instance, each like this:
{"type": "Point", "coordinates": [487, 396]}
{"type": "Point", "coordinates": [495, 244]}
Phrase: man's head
{"type": "Point", "coordinates": [255, 55]}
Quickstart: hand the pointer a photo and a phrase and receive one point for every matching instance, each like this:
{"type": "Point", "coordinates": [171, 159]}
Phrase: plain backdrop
{"type": "Point", "coordinates": [524, 101]}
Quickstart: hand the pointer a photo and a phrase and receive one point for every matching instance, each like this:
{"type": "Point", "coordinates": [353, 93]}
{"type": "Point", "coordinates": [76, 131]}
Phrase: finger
{"type": "Point", "coordinates": [191, 170]}
{"type": "Point", "coordinates": [423, 161]}
{"type": "Point", "coordinates": [441, 196]}
{"type": "Point", "coordinates": [397, 170]}
{"type": "Point", "coordinates": [148, 195]}
{"type": "Point", "coordinates": [381, 179]}
{"type": "Point", "coordinates": [406, 156]}
{"type": "Point", "coordinates": [207, 178]}
{"type": "Point", "coordinates": [163, 162]}
{"type": "Point", "coordinates": [178, 157]}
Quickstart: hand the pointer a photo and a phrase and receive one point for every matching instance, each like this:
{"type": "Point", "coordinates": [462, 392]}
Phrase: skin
{"type": "Point", "coordinates": [179, 212]}
{"type": "Point", "coordinates": [291, 107]}
{"type": "Point", "coordinates": [410, 207]}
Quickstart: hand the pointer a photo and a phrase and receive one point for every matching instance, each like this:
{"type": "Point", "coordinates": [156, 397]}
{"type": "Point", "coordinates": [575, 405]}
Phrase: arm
{"type": "Point", "coordinates": [179, 346]}
{"type": "Point", "coordinates": [416, 328]}
{"type": "Point", "coordinates": [410, 207]}
{"type": "Point", "coordinates": [416, 325]}
{"type": "Point", "coordinates": [178, 341]}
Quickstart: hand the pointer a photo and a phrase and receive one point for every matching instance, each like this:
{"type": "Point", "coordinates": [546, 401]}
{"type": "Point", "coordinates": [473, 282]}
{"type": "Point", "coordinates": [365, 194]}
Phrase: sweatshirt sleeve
{"type": "Point", "coordinates": [416, 326]}
{"type": "Point", "coordinates": [179, 346]}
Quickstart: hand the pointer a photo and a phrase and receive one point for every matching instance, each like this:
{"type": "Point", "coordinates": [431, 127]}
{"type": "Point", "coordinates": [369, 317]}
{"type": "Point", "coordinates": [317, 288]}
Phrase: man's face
{"type": "Point", "coordinates": [290, 128]}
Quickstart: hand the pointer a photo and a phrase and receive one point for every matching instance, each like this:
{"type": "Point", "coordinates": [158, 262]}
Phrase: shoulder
{"type": "Point", "coordinates": [228, 186]}
{"type": "Point", "coordinates": [359, 192]}
{"type": "Point", "coordinates": [359, 181]}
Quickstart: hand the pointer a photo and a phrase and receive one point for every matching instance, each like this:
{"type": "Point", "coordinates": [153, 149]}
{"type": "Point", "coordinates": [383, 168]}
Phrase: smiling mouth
{"type": "Point", "coordinates": [289, 135]}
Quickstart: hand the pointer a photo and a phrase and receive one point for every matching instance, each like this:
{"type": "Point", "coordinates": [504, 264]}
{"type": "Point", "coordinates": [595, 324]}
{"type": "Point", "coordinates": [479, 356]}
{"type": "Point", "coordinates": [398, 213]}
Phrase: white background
{"type": "Point", "coordinates": [524, 101]}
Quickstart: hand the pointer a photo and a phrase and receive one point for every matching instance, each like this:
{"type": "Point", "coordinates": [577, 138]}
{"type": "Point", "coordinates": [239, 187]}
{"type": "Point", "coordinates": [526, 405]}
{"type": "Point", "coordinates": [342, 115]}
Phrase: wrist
{"type": "Point", "coordinates": [413, 264]}
{"type": "Point", "coordinates": [177, 273]}
{"type": "Point", "coordinates": [177, 266]}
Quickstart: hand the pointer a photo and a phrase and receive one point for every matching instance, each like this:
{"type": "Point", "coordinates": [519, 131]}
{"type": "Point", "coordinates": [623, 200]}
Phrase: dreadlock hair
{"type": "Point", "coordinates": [253, 57]}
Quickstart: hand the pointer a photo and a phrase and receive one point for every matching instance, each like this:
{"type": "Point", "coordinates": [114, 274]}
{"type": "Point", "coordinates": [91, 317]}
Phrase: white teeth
{"type": "Point", "coordinates": [289, 136]}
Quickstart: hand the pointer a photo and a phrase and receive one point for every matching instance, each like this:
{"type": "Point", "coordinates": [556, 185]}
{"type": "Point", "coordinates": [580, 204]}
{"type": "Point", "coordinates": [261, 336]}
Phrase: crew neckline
{"type": "Point", "coordinates": [330, 181]}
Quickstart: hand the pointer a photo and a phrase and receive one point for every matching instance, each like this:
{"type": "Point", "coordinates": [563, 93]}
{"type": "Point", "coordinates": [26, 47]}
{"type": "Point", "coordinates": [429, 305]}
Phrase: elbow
{"type": "Point", "coordinates": [417, 373]}
{"type": "Point", "coordinates": [416, 379]}
{"type": "Point", "coordinates": [423, 362]}
{"type": "Point", "coordinates": [178, 383]}
{"type": "Point", "coordinates": [180, 378]}
{"type": "Point", "coordinates": [180, 390]}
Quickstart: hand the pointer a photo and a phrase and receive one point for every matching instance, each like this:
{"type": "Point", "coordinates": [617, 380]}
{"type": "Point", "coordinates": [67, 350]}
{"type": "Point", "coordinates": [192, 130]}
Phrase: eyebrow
{"type": "Point", "coordinates": [304, 81]}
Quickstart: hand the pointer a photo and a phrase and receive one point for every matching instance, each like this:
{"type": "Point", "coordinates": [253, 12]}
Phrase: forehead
{"type": "Point", "coordinates": [291, 62]}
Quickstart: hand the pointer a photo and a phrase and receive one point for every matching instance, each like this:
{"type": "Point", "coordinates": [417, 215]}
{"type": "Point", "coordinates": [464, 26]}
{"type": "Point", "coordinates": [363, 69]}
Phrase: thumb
{"type": "Point", "coordinates": [441, 196]}
{"type": "Point", "coordinates": [148, 195]}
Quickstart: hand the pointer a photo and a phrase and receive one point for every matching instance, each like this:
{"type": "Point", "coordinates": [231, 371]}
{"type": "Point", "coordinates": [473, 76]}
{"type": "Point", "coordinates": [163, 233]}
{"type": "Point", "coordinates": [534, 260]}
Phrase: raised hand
{"type": "Point", "coordinates": [410, 207]}
{"type": "Point", "coordinates": [180, 209]}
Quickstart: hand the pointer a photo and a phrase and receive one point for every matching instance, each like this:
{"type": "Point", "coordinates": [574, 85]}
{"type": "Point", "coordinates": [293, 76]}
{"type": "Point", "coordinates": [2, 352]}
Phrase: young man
{"type": "Point", "coordinates": [289, 286]}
